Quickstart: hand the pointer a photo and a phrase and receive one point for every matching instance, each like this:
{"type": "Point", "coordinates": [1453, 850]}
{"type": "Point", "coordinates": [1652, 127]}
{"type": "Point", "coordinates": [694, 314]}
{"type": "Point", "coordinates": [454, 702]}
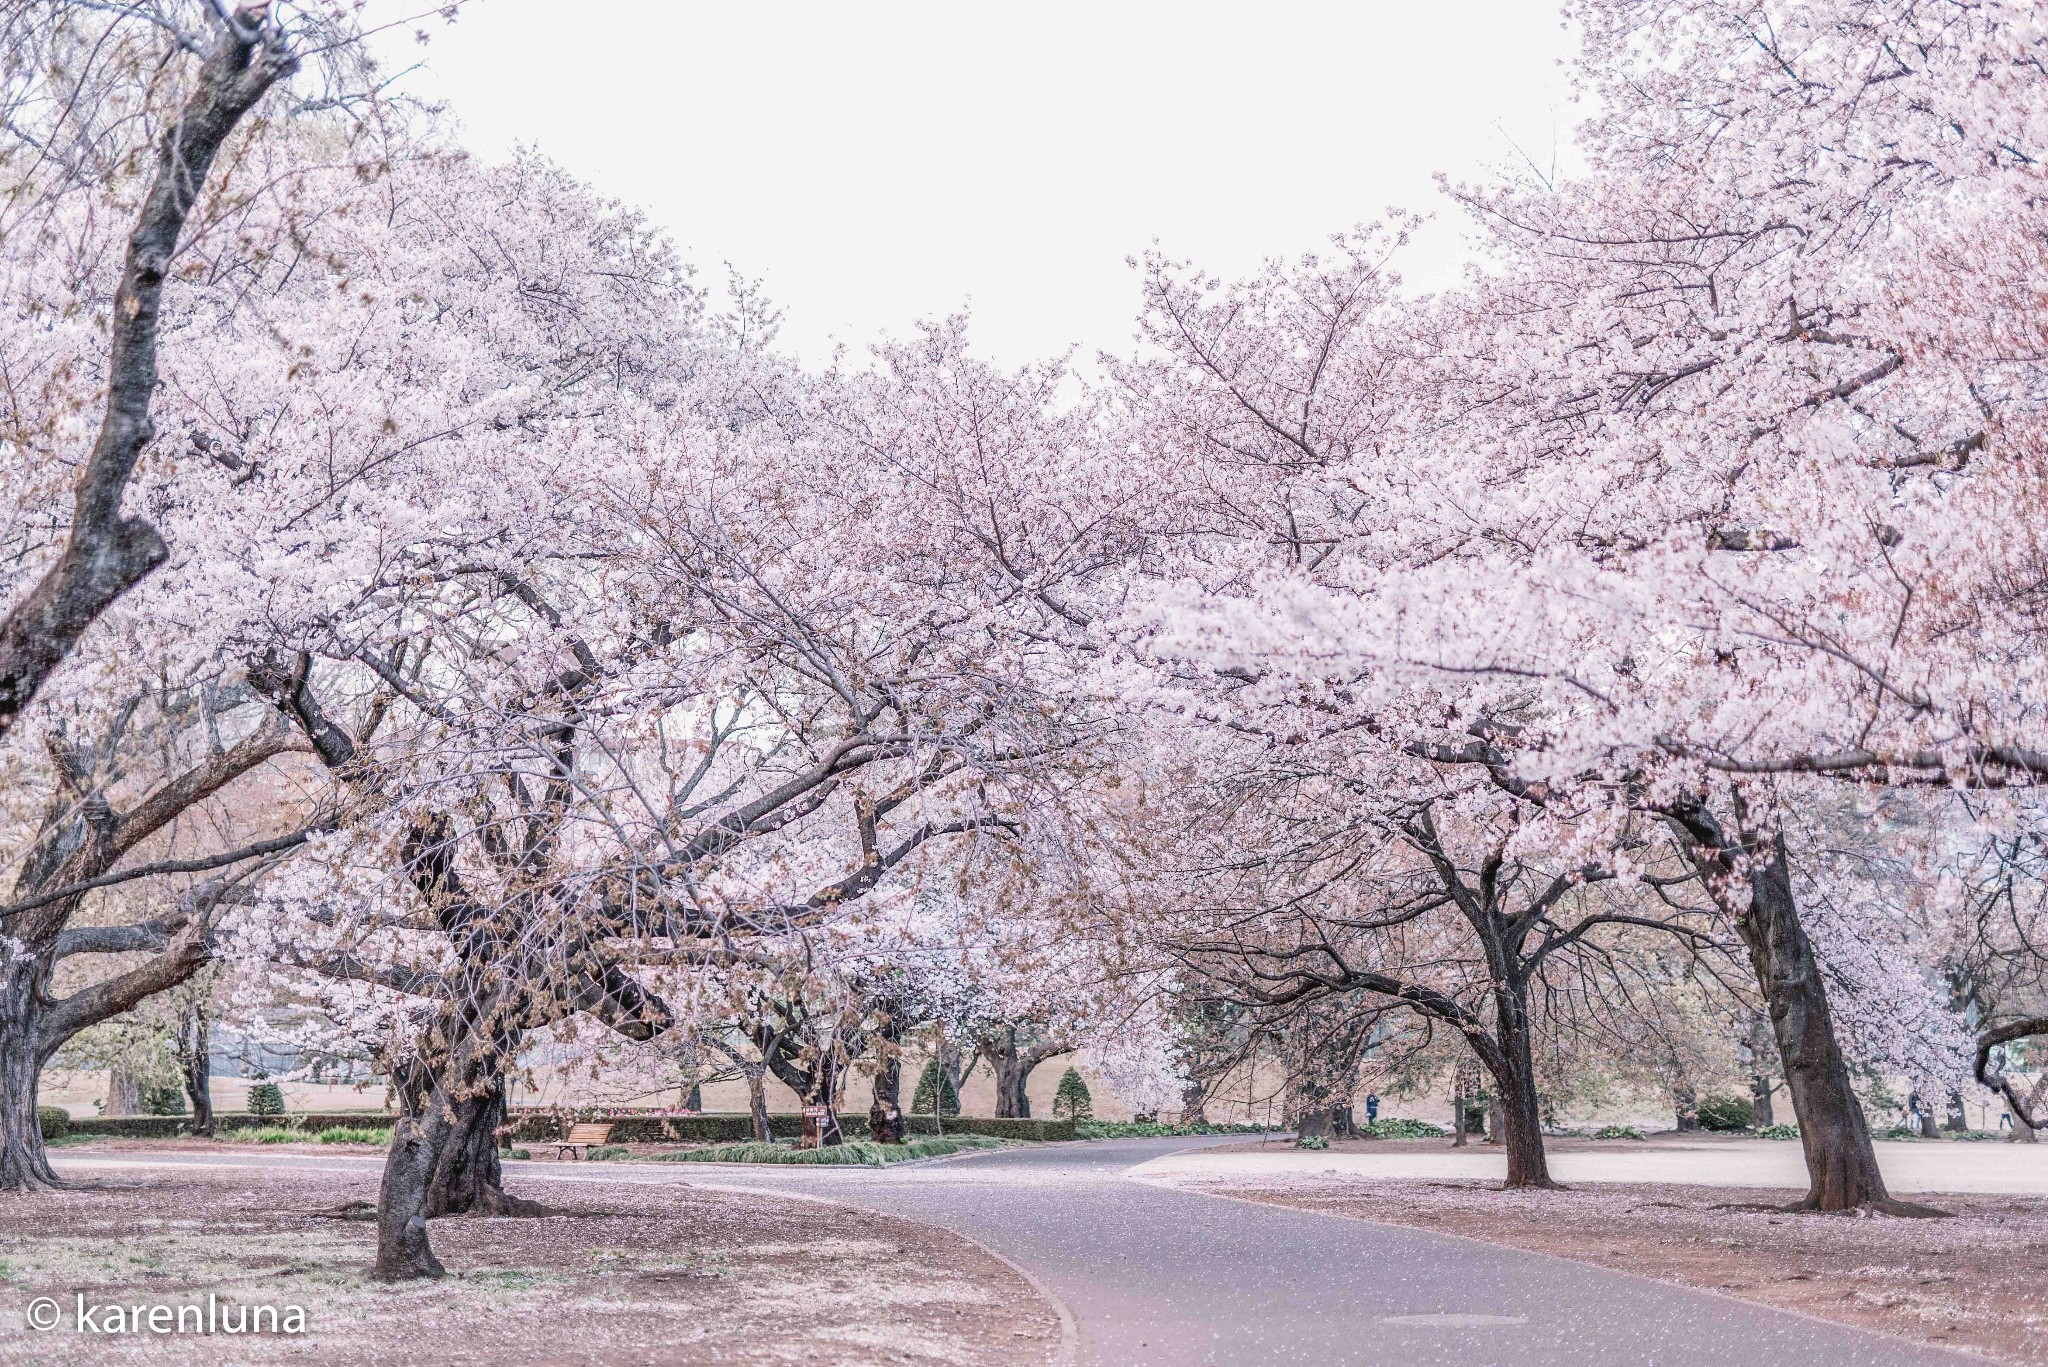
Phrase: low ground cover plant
{"type": "Point", "coordinates": [1617, 1132]}
{"type": "Point", "coordinates": [861, 1153]}
{"type": "Point", "coordinates": [1152, 1129]}
{"type": "Point", "coordinates": [1399, 1127]}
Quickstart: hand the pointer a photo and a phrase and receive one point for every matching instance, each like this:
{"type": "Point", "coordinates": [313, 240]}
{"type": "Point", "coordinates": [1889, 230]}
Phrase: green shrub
{"type": "Point", "coordinates": [53, 1121]}
{"type": "Point", "coordinates": [1778, 1132]}
{"type": "Point", "coordinates": [517, 1153]}
{"type": "Point", "coordinates": [606, 1153]}
{"type": "Point", "coordinates": [1905, 1133]}
{"type": "Point", "coordinates": [1727, 1114]}
{"type": "Point", "coordinates": [266, 1098]}
{"type": "Point", "coordinates": [163, 1098]}
{"type": "Point", "coordinates": [1152, 1129]}
{"type": "Point", "coordinates": [860, 1153]}
{"type": "Point", "coordinates": [341, 1134]}
{"type": "Point", "coordinates": [928, 1083]}
{"type": "Point", "coordinates": [1973, 1136]}
{"type": "Point", "coordinates": [1617, 1132]}
{"type": "Point", "coordinates": [1072, 1097]}
{"type": "Point", "coordinates": [1311, 1141]}
{"type": "Point", "coordinates": [1395, 1127]}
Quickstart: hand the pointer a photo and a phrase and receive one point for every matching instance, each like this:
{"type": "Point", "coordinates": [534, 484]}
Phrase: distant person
{"type": "Point", "coordinates": [1372, 1107]}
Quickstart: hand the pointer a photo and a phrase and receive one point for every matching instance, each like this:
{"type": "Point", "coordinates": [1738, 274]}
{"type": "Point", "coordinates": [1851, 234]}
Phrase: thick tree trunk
{"type": "Point", "coordinates": [757, 1104]}
{"type": "Point", "coordinates": [1841, 1165]}
{"type": "Point", "coordinates": [444, 1149]}
{"type": "Point", "coordinates": [1194, 1104]}
{"type": "Point", "coordinates": [825, 1092]}
{"type": "Point", "coordinates": [417, 1141]}
{"type": "Point", "coordinates": [2022, 1132]}
{"type": "Point", "coordinates": [1517, 1120]}
{"type": "Point", "coordinates": [199, 1090]}
{"type": "Point", "coordinates": [1685, 1107]}
{"type": "Point", "coordinates": [24, 1162]}
{"type": "Point", "coordinates": [124, 1091]}
{"type": "Point", "coordinates": [1011, 1098]}
{"type": "Point", "coordinates": [197, 1069]}
{"type": "Point", "coordinates": [885, 1108]}
{"type": "Point", "coordinates": [1958, 1119]}
{"type": "Point", "coordinates": [1757, 1047]}
{"type": "Point", "coordinates": [1312, 1123]}
{"type": "Point", "coordinates": [467, 1176]}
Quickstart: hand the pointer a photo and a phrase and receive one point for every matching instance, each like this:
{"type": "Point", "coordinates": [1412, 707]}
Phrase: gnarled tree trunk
{"type": "Point", "coordinates": [444, 1149]}
{"type": "Point", "coordinates": [1013, 1063]}
{"type": "Point", "coordinates": [24, 1162]}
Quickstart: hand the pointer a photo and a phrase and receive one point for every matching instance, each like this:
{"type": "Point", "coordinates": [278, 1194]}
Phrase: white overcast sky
{"type": "Point", "coordinates": [876, 163]}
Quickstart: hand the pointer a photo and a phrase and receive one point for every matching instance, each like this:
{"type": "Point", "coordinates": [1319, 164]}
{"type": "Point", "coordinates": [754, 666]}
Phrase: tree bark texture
{"type": "Point", "coordinates": [1841, 1164]}
{"type": "Point", "coordinates": [885, 1109]}
{"type": "Point", "coordinates": [24, 1162]}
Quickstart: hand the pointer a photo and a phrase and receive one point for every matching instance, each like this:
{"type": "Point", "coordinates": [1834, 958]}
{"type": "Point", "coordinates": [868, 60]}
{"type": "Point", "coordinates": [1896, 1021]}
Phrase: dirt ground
{"type": "Point", "coordinates": [621, 1274]}
{"type": "Point", "coordinates": [1978, 1282]}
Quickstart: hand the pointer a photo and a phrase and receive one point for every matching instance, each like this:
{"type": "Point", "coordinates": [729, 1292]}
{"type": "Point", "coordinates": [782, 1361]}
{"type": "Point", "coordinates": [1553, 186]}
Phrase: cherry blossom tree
{"type": "Point", "coordinates": [1720, 455]}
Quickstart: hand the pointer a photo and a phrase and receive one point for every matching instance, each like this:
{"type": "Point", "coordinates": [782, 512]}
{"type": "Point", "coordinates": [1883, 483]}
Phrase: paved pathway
{"type": "Point", "coordinates": [2016, 1169]}
{"type": "Point", "coordinates": [1155, 1277]}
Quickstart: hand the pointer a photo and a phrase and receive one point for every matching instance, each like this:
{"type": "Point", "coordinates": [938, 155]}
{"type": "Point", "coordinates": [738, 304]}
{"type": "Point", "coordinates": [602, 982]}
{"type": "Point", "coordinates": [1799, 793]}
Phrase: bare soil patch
{"type": "Point", "coordinates": [624, 1273]}
{"type": "Point", "coordinates": [1978, 1282]}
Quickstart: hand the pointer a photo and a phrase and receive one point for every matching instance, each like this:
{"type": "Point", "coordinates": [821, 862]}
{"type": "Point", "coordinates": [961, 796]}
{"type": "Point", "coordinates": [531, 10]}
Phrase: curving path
{"type": "Point", "coordinates": [1155, 1277]}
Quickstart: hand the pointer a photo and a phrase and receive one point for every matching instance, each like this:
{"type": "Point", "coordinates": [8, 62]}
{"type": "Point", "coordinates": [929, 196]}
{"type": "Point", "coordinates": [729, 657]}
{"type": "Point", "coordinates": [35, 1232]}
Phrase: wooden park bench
{"type": "Point", "coordinates": [584, 1137]}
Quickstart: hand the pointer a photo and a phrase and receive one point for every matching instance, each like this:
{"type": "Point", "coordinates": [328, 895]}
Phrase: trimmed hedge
{"type": "Point", "coordinates": [169, 1126]}
{"type": "Point", "coordinates": [736, 1127]}
{"type": "Point", "coordinates": [540, 1127]}
{"type": "Point", "coordinates": [53, 1121]}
